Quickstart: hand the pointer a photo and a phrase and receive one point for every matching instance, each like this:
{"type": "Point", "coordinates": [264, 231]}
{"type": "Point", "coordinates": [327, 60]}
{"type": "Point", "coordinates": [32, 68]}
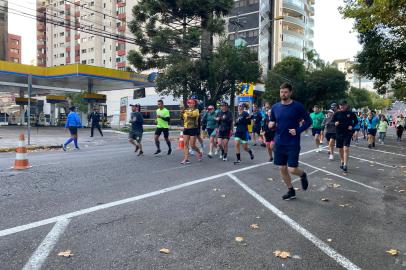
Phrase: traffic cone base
{"type": "Point", "coordinates": [181, 144]}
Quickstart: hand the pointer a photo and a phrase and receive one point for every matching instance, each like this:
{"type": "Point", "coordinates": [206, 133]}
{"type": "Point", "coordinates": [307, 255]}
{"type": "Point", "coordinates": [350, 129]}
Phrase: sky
{"type": "Point", "coordinates": [333, 37]}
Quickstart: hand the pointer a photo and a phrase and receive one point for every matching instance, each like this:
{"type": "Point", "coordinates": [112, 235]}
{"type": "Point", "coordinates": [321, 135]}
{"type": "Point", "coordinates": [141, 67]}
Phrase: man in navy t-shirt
{"type": "Point", "coordinates": [290, 119]}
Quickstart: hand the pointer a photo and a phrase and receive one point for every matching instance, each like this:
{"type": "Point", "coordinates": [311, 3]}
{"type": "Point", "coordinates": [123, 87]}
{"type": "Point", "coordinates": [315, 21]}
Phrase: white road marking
{"type": "Point", "coordinates": [310, 173]}
{"type": "Point", "coordinates": [373, 162]}
{"type": "Point", "coordinates": [36, 224]}
{"type": "Point", "coordinates": [380, 151]}
{"type": "Point", "coordinates": [41, 253]}
{"type": "Point", "coordinates": [342, 177]}
{"type": "Point", "coordinates": [346, 263]}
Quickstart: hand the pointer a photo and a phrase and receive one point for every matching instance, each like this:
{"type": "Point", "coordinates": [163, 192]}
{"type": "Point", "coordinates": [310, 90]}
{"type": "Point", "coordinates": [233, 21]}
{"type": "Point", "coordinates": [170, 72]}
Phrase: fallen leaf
{"type": "Point", "coordinates": [216, 189]}
{"type": "Point", "coordinates": [393, 252]}
{"type": "Point", "coordinates": [402, 190]}
{"type": "Point", "coordinates": [223, 195]}
{"type": "Point", "coordinates": [344, 205]}
{"type": "Point", "coordinates": [325, 199]}
{"type": "Point", "coordinates": [239, 239]}
{"type": "Point", "coordinates": [258, 217]}
{"type": "Point", "coordinates": [165, 250]}
{"type": "Point", "coordinates": [254, 226]}
{"type": "Point", "coordinates": [66, 253]}
{"type": "Point", "coordinates": [271, 179]}
{"type": "Point", "coordinates": [282, 254]}
{"type": "Point", "coordinates": [335, 186]}
{"type": "Point", "coordinates": [329, 240]}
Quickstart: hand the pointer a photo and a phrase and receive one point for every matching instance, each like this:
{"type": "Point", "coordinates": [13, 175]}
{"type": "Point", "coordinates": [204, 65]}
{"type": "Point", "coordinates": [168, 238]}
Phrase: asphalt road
{"type": "Point", "coordinates": [113, 210]}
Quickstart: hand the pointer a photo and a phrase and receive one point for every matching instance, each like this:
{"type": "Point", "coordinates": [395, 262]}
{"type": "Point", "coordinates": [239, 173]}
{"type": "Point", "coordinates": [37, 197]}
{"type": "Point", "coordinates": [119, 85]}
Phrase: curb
{"type": "Point", "coordinates": [31, 148]}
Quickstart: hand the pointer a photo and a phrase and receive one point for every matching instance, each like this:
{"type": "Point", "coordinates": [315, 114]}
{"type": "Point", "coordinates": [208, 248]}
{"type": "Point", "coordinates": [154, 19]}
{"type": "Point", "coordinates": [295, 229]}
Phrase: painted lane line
{"type": "Point", "coordinates": [380, 151]}
{"type": "Point", "coordinates": [40, 223]}
{"type": "Point", "coordinates": [374, 162]}
{"type": "Point", "coordinates": [310, 173]}
{"type": "Point", "coordinates": [346, 263]}
{"type": "Point", "coordinates": [342, 177]}
{"type": "Point", "coordinates": [38, 258]}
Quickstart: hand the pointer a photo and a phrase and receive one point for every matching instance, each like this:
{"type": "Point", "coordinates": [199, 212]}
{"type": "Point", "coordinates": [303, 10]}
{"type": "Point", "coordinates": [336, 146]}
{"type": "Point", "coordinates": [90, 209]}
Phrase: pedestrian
{"type": "Point", "coordinates": [225, 128]}
{"type": "Point", "coordinates": [191, 129]}
{"type": "Point", "coordinates": [94, 119]}
{"type": "Point", "coordinates": [364, 125]}
{"type": "Point", "coordinates": [357, 128]}
{"type": "Point", "coordinates": [269, 135]}
{"type": "Point", "coordinates": [400, 126]}
{"type": "Point", "coordinates": [329, 128]}
{"type": "Point", "coordinates": [317, 117]}
{"type": "Point", "coordinates": [344, 120]}
{"type": "Point", "coordinates": [372, 122]}
{"type": "Point", "coordinates": [135, 135]}
{"type": "Point", "coordinates": [209, 121]}
{"type": "Point", "coordinates": [72, 123]}
{"type": "Point", "coordinates": [286, 117]}
{"type": "Point", "coordinates": [382, 129]}
{"type": "Point", "coordinates": [256, 126]}
{"type": "Point", "coordinates": [162, 119]}
{"type": "Point", "coordinates": [241, 133]}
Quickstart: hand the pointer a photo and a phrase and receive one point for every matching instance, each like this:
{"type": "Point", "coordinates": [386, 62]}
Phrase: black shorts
{"type": "Point", "coordinates": [287, 155]}
{"type": "Point", "coordinates": [224, 134]}
{"type": "Point", "coordinates": [73, 130]}
{"type": "Point", "coordinates": [159, 131]}
{"type": "Point", "coordinates": [190, 131]}
{"type": "Point", "coordinates": [256, 129]}
{"type": "Point", "coordinates": [343, 140]}
{"type": "Point", "coordinates": [135, 135]}
{"type": "Point", "coordinates": [210, 131]}
{"type": "Point", "coordinates": [241, 136]}
{"type": "Point", "coordinates": [269, 136]}
{"type": "Point", "coordinates": [372, 131]}
{"type": "Point", "coordinates": [330, 136]}
{"type": "Point", "coordinates": [316, 131]}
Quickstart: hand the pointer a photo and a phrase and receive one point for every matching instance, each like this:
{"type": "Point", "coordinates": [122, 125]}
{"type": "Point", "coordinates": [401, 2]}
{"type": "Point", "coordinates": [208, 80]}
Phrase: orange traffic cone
{"type": "Point", "coordinates": [21, 162]}
{"type": "Point", "coordinates": [181, 144]}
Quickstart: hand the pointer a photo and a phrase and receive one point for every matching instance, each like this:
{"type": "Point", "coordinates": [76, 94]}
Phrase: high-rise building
{"type": "Point", "coordinates": [84, 31]}
{"type": "Point", "coordinates": [273, 28]}
{"type": "Point", "coordinates": [14, 48]}
{"type": "Point", "coordinates": [3, 29]}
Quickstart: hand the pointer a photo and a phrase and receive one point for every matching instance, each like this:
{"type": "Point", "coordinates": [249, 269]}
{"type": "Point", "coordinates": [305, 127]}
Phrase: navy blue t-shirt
{"type": "Point", "coordinates": [242, 122]}
{"type": "Point", "coordinates": [289, 117]}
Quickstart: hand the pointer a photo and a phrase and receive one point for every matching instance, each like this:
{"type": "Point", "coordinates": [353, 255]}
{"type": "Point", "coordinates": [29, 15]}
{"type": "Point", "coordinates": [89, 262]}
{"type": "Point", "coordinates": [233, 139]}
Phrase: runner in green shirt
{"type": "Point", "coordinates": [162, 121]}
{"type": "Point", "coordinates": [317, 117]}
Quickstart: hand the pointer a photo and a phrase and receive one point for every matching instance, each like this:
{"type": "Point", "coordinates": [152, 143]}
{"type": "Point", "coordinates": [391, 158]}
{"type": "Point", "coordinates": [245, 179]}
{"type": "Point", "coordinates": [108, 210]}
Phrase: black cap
{"type": "Point", "coordinates": [224, 103]}
{"type": "Point", "coordinates": [72, 108]}
{"type": "Point", "coordinates": [343, 102]}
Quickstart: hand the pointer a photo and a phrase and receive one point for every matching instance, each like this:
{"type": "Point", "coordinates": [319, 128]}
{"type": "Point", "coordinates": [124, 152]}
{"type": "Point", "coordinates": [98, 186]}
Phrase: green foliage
{"type": "Point", "coordinates": [382, 28]}
{"type": "Point", "coordinates": [313, 60]}
{"type": "Point", "coordinates": [76, 99]}
{"type": "Point", "coordinates": [359, 98]}
{"type": "Point", "coordinates": [399, 89]}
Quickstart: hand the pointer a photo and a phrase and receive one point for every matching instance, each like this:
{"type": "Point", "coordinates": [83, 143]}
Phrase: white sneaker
{"type": "Point", "coordinates": [317, 150]}
{"type": "Point", "coordinates": [331, 157]}
{"type": "Point", "coordinates": [221, 156]}
{"type": "Point", "coordinates": [216, 152]}
{"type": "Point", "coordinates": [320, 147]}
{"type": "Point", "coordinates": [224, 159]}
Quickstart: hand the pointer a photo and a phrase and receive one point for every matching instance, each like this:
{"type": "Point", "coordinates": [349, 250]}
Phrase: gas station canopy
{"type": "Point", "coordinates": [69, 78]}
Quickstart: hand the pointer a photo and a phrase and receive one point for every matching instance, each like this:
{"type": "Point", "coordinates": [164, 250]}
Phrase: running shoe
{"type": "Point", "coordinates": [251, 156]}
{"type": "Point", "coordinates": [369, 146]}
{"type": "Point", "coordinates": [64, 147]}
{"type": "Point", "coordinates": [263, 144]}
{"type": "Point", "coordinates": [373, 144]}
{"type": "Point", "coordinates": [210, 154]}
{"type": "Point", "coordinates": [224, 159]}
{"type": "Point", "coordinates": [345, 169]}
{"type": "Point", "coordinates": [216, 152]}
{"type": "Point", "coordinates": [221, 156]}
{"type": "Point", "coordinates": [320, 148]}
{"type": "Point", "coordinates": [169, 151]}
{"type": "Point", "coordinates": [185, 161]}
{"type": "Point", "coordinates": [237, 162]}
{"type": "Point", "coordinates": [77, 148]}
{"type": "Point", "coordinates": [290, 195]}
{"type": "Point", "coordinates": [331, 157]}
{"type": "Point", "coordinates": [199, 156]}
{"type": "Point", "coordinates": [254, 144]}
{"type": "Point", "coordinates": [157, 152]}
{"type": "Point", "coordinates": [271, 159]}
{"type": "Point", "coordinates": [136, 149]}
{"type": "Point", "coordinates": [304, 181]}
{"type": "Point", "coordinates": [342, 166]}
{"type": "Point", "coordinates": [140, 154]}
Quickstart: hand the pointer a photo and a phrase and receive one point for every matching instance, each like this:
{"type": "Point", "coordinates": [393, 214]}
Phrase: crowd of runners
{"type": "Point", "coordinates": [277, 128]}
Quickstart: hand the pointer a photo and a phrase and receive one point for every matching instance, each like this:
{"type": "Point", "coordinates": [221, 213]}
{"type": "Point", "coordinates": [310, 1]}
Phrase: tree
{"type": "Point", "coordinates": [313, 59]}
{"type": "Point", "coordinates": [359, 98]}
{"type": "Point", "coordinates": [399, 89]}
{"type": "Point", "coordinates": [292, 70]}
{"type": "Point", "coordinates": [382, 28]}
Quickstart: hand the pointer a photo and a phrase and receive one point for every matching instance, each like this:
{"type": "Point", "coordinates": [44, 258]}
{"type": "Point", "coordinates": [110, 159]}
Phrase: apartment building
{"type": "Point", "coordinates": [273, 28]}
{"type": "Point", "coordinates": [355, 80]}
{"type": "Point", "coordinates": [14, 48]}
{"type": "Point", "coordinates": [3, 29]}
{"type": "Point", "coordinates": [84, 31]}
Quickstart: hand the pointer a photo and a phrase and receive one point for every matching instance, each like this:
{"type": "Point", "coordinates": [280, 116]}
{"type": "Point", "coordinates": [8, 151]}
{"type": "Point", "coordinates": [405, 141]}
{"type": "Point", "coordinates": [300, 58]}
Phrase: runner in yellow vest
{"type": "Point", "coordinates": [162, 121]}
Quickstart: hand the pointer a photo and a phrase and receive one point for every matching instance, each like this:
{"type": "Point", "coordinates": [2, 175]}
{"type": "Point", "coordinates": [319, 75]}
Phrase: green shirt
{"type": "Point", "coordinates": [317, 119]}
{"type": "Point", "coordinates": [164, 113]}
{"type": "Point", "coordinates": [382, 126]}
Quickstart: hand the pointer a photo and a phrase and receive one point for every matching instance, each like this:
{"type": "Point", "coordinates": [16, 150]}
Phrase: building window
{"type": "Point", "coordinates": [16, 51]}
{"type": "Point", "coordinates": [62, 34]}
{"type": "Point", "coordinates": [84, 62]}
{"type": "Point", "coordinates": [84, 51]}
{"type": "Point", "coordinates": [15, 42]}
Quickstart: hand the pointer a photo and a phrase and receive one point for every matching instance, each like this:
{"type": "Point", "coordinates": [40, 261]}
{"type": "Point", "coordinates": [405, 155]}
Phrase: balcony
{"type": "Point", "coordinates": [41, 27]}
{"type": "Point", "coordinates": [296, 6]}
{"type": "Point", "coordinates": [121, 16]}
{"type": "Point", "coordinates": [121, 52]}
{"type": "Point", "coordinates": [67, 6]}
{"type": "Point", "coordinates": [67, 39]}
{"type": "Point", "coordinates": [77, 36]}
{"type": "Point", "coordinates": [121, 64]}
{"type": "Point", "coordinates": [68, 49]}
{"type": "Point", "coordinates": [40, 37]}
{"type": "Point", "coordinates": [77, 14]}
{"type": "Point", "coordinates": [77, 47]}
{"type": "Point", "coordinates": [77, 59]}
{"type": "Point", "coordinates": [67, 60]}
{"type": "Point", "coordinates": [293, 20]}
{"type": "Point", "coordinates": [294, 33]}
{"type": "Point", "coordinates": [120, 4]}
{"type": "Point", "coordinates": [41, 46]}
{"type": "Point", "coordinates": [41, 9]}
{"type": "Point", "coordinates": [291, 45]}
{"type": "Point", "coordinates": [121, 28]}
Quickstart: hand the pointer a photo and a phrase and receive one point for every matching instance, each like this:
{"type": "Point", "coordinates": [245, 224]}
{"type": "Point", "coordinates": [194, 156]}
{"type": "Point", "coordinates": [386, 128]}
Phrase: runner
{"type": "Point", "coordinates": [317, 117]}
{"type": "Point", "coordinates": [329, 128]}
{"type": "Point", "coordinates": [209, 121]}
{"type": "Point", "coordinates": [372, 122]}
{"type": "Point", "coordinates": [285, 116]}
{"type": "Point", "coordinates": [400, 126]}
{"type": "Point", "coordinates": [135, 135]}
{"type": "Point", "coordinates": [72, 123]}
{"type": "Point", "coordinates": [190, 131]}
{"type": "Point", "coordinates": [364, 125]}
{"type": "Point", "coordinates": [241, 133]}
{"type": "Point", "coordinates": [269, 135]}
{"type": "Point", "coordinates": [225, 123]}
{"type": "Point", "coordinates": [344, 121]}
{"type": "Point", "coordinates": [94, 118]}
{"type": "Point", "coordinates": [162, 120]}
{"type": "Point", "coordinates": [382, 129]}
{"type": "Point", "coordinates": [357, 128]}
{"type": "Point", "coordinates": [256, 125]}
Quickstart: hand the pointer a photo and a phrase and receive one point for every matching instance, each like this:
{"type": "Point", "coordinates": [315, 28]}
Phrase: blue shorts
{"type": "Point", "coordinates": [73, 130]}
{"type": "Point", "coordinates": [316, 131]}
{"type": "Point", "coordinates": [287, 155]}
